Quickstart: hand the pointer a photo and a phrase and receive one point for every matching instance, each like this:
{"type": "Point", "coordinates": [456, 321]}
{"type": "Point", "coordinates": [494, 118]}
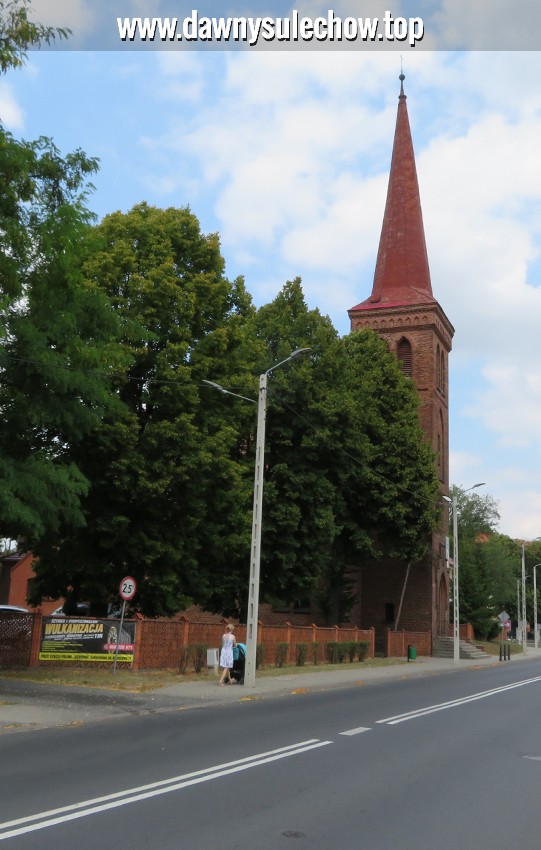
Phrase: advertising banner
{"type": "Point", "coordinates": [82, 639]}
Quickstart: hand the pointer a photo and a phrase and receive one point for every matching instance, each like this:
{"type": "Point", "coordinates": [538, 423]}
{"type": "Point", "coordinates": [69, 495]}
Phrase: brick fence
{"type": "Point", "coordinates": [397, 643]}
{"type": "Point", "coordinates": [159, 643]}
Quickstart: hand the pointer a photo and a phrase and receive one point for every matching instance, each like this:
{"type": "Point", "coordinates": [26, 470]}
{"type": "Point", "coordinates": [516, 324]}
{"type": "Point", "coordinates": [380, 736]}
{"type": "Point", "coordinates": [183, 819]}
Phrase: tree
{"type": "Point", "coordinates": [504, 560]}
{"type": "Point", "coordinates": [54, 329]}
{"type": "Point", "coordinates": [18, 34]}
{"type": "Point", "coordinates": [54, 339]}
{"type": "Point", "coordinates": [167, 501]}
{"type": "Point", "coordinates": [477, 518]}
{"type": "Point", "coordinates": [477, 513]}
{"type": "Point", "coordinates": [348, 474]}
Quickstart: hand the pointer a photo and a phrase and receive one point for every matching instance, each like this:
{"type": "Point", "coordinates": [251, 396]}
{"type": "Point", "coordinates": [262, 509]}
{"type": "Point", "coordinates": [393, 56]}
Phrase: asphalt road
{"type": "Point", "coordinates": [446, 761]}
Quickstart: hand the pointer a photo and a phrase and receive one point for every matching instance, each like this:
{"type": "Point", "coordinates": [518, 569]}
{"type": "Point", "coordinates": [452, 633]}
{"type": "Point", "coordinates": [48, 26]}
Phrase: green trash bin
{"type": "Point", "coordinates": [412, 653]}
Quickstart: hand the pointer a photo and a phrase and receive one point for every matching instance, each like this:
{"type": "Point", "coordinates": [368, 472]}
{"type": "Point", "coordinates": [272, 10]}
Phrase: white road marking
{"type": "Point", "coordinates": [154, 789]}
{"type": "Point", "coordinates": [431, 709]}
{"type": "Point", "coordinates": [356, 731]}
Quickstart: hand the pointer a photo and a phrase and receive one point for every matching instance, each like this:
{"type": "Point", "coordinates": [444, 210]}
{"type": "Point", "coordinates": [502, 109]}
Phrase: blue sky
{"type": "Point", "coordinates": [286, 155]}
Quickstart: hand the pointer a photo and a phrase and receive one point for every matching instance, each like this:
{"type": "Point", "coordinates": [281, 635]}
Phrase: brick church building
{"type": "Point", "coordinates": [404, 312]}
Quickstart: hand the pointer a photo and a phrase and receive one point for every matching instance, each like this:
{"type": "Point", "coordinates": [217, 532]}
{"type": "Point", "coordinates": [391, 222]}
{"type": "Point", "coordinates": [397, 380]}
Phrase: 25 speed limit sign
{"type": "Point", "coordinates": [128, 586]}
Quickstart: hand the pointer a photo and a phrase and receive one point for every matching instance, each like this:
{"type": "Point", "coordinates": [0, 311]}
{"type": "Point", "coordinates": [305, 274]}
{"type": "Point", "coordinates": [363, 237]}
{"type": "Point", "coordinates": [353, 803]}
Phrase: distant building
{"type": "Point", "coordinates": [16, 576]}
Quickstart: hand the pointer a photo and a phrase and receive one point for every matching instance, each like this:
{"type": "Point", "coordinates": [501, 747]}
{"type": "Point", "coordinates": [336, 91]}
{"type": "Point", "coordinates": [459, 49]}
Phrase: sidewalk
{"type": "Point", "coordinates": [28, 705]}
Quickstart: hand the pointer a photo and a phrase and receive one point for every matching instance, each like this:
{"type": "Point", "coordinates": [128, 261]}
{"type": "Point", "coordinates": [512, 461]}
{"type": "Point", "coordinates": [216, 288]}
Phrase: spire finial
{"type": "Point", "coordinates": [402, 77]}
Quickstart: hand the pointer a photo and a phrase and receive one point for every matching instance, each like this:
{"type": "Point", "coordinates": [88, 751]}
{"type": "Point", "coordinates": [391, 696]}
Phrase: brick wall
{"type": "Point", "coordinates": [17, 571]}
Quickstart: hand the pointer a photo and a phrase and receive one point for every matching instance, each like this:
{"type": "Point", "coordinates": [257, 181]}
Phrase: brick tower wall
{"type": "Point", "coordinates": [380, 584]}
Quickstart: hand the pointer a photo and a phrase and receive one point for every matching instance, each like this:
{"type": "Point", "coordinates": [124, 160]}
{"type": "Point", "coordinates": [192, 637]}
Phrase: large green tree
{"type": "Point", "coordinates": [54, 327]}
{"type": "Point", "coordinates": [55, 336]}
{"type": "Point", "coordinates": [348, 475]}
{"type": "Point", "coordinates": [167, 497]}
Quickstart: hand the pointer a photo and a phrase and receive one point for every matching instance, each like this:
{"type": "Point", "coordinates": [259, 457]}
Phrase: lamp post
{"type": "Point", "coordinates": [523, 578]}
{"type": "Point", "coordinates": [535, 633]}
{"type": "Point", "coordinates": [257, 511]}
{"type": "Point", "coordinates": [456, 598]}
{"type": "Point", "coordinates": [518, 606]}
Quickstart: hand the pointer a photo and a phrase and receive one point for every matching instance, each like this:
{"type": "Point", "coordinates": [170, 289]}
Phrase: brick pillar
{"type": "Point", "coordinates": [35, 640]}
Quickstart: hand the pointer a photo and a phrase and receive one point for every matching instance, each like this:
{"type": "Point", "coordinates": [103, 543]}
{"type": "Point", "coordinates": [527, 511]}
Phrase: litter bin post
{"type": "Point", "coordinates": [412, 653]}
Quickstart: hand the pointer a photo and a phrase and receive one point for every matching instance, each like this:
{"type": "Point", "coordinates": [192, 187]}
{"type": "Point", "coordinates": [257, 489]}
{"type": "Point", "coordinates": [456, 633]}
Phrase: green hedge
{"type": "Point", "coordinates": [282, 650]}
{"type": "Point", "coordinates": [301, 651]}
{"type": "Point", "coordinates": [339, 651]}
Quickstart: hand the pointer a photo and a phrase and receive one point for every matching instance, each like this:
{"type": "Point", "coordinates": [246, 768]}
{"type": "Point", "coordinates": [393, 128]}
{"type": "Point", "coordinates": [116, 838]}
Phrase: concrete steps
{"type": "Point", "coordinates": [443, 647]}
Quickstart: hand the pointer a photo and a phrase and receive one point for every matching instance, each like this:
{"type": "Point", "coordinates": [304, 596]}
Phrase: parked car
{"type": "Point", "coordinates": [82, 611]}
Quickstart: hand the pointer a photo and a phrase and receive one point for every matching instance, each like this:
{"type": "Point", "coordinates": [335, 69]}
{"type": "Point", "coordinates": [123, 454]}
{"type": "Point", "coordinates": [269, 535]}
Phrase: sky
{"type": "Point", "coordinates": [286, 154]}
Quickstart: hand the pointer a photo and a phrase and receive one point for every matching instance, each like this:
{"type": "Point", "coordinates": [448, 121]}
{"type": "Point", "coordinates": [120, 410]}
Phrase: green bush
{"type": "Point", "coordinates": [259, 655]}
{"type": "Point", "coordinates": [282, 650]}
{"type": "Point", "coordinates": [301, 653]}
{"type": "Point", "coordinates": [314, 653]}
{"type": "Point", "coordinates": [341, 650]}
{"type": "Point", "coordinates": [351, 650]}
{"type": "Point", "coordinates": [362, 649]}
{"type": "Point", "coordinates": [331, 651]}
{"type": "Point", "coordinates": [198, 656]}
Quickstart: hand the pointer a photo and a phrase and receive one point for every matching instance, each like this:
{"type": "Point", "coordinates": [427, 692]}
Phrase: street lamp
{"type": "Point", "coordinates": [255, 551]}
{"type": "Point", "coordinates": [535, 640]}
{"type": "Point", "coordinates": [523, 576]}
{"type": "Point", "coordinates": [456, 601]}
{"type": "Point", "coordinates": [519, 615]}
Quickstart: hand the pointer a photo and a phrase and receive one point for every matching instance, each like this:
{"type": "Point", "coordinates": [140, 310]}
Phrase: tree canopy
{"type": "Point", "coordinates": [486, 562]}
{"type": "Point", "coordinates": [18, 34]}
{"type": "Point", "coordinates": [166, 501]}
{"type": "Point", "coordinates": [55, 333]}
{"type": "Point", "coordinates": [348, 474]}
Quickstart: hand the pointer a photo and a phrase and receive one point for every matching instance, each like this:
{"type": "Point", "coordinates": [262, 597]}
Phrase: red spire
{"type": "Point", "coordinates": [402, 274]}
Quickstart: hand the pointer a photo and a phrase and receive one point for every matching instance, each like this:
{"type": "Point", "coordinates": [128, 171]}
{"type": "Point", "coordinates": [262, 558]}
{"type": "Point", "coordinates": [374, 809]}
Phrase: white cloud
{"type": "Point", "coordinates": [463, 466]}
{"type": "Point", "coordinates": [511, 406]}
{"type": "Point", "coordinates": [77, 15]}
{"type": "Point", "coordinates": [183, 73]}
{"type": "Point", "coordinates": [11, 114]}
{"type": "Point", "coordinates": [487, 24]}
{"type": "Point", "coordinates": [522, 511]}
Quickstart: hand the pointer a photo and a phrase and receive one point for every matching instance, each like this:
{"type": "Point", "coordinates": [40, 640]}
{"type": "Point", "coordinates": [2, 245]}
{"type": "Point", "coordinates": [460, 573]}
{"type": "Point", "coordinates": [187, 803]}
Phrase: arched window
{"type": "Point", "coordinates": [438, 368]}
{"type": "Point", "coordinates": [403, 352]}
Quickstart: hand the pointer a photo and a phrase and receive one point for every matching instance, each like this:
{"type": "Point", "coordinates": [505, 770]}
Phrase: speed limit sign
{"type": "Point", "coordinates": [128, 586]}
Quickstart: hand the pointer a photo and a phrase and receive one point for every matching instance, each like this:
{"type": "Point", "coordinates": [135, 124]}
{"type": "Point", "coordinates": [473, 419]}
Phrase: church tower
{"type": "Point", "coordinates": [404, 312]}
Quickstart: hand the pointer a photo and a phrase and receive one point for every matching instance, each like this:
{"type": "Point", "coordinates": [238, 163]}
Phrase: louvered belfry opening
{"type": "Point", "coordinates": [403, 352]}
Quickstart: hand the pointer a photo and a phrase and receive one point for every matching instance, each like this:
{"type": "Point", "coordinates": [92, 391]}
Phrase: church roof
{"type": "Point", "coordinates": [402, 275]}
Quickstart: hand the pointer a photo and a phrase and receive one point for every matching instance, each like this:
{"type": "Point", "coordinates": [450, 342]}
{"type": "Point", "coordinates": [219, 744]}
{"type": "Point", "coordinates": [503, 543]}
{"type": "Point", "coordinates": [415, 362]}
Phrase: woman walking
{"type": "Point", "coordinates": [226, 655]}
